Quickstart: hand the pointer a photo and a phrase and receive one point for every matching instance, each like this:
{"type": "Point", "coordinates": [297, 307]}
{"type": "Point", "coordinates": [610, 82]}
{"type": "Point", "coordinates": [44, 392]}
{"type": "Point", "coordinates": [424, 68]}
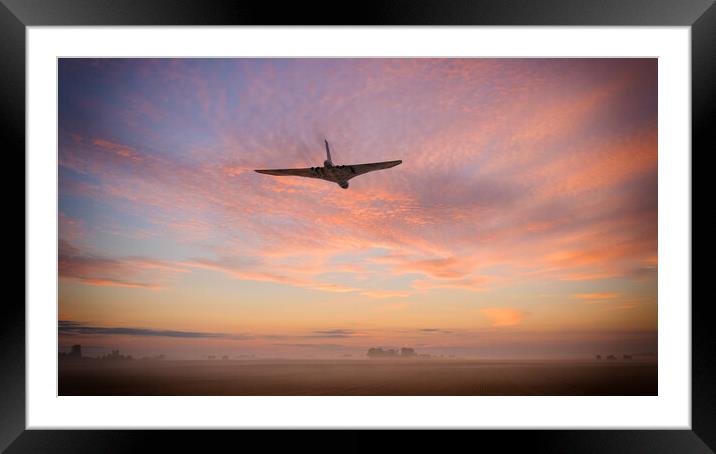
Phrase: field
{"type": "Point", "coordinates": [357, 377]}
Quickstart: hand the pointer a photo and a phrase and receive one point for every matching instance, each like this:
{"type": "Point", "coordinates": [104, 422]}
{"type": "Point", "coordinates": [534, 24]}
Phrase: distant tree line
{"type": "Point", "coordinates": [391, 353]}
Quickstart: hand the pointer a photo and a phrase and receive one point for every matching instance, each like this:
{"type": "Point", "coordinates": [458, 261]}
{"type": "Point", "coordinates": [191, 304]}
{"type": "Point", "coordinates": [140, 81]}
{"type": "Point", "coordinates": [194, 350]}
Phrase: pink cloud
{"type": "Point", "coordinates": [598, 295]}
{"type": "Point", "coordinates": [503, 316]}
{"type": "Point", "coordinates": [385, 294]}
{"type": "Point", "coordinates": [132, 272]}
{"type": "Point", "coordinates": [503, 167]}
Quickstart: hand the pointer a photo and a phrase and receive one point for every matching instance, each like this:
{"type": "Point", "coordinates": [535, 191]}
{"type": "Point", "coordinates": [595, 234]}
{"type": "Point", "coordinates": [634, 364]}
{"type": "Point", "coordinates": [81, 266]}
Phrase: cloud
{"type": "Point", "coordinates": [131, 272]}
{"type": "Point", "coordinates": [118, 149]}
{"type": "Point", "coordinates": [592, 297]}
{"type": "Point", "coordinates": [69, 327]}
{"type": "Point", "coordinates": [70, 229]}
{"type": "Point", "coordinates": [113, 283]}
{"type": "Point", "coordinates": [435, 330]}
{"type": "Point", "coordinates": [503, 316]}
{"type": "Point", "coordinates": [256, 272]}
{"type": "Point", "coordinates": [515, 173]}
{"type": "Point", "coordinates": [386, 294]}
{"type": "Point", "coordinates": [398, 218]}
{"type": "Point", "coordinates": [75, 328]}
{"type": "Point", "coordinates": [335, 333]}
{"type": "Point", "coordinates": [450, 267]}
{"type": "Point", "coordinates": [473, 284]}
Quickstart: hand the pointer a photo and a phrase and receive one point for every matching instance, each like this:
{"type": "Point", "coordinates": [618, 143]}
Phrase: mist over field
{"type": "Point", "coordinates": [361, 377]}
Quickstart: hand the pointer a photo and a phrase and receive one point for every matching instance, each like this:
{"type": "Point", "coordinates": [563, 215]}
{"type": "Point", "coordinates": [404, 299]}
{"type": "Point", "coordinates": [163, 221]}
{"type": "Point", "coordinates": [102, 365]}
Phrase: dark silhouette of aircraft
{"type": "Point", "coordinates": [335, 174]}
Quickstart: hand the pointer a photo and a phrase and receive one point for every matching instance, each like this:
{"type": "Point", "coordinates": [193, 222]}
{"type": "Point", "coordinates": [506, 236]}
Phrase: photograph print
{"type": "Point", "coordinates": [357, 226]}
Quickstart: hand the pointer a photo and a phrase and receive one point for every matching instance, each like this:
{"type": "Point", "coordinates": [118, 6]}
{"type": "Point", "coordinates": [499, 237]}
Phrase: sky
{"type": "Point", "coordinates": [522, 222]}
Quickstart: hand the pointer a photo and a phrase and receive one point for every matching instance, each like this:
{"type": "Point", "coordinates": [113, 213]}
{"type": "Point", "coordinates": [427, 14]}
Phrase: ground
{"type": "Point", "coordinates": [358, 377]}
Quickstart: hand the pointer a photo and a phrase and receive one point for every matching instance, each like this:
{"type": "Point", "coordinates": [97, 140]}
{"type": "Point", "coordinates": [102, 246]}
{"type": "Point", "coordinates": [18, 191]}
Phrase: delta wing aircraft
{"type": "Point", "coordinates": [329, 172]}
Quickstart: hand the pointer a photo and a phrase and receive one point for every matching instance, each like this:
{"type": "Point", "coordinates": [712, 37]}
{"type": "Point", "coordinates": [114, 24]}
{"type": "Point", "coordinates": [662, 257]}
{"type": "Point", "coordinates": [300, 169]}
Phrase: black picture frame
{"type": "Point", "coordinates": [16, 15]}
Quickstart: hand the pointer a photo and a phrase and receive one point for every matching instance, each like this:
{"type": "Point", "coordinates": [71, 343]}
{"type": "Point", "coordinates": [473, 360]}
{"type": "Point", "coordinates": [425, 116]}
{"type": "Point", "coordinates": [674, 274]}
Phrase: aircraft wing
{"type": "Point", "coordinates": [290, 172]}
{"type": "Point", "coordinates": [360, 169]}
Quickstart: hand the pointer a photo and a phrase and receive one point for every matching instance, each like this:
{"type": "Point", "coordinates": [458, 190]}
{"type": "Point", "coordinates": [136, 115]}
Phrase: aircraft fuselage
{"type": "Point", "coordinates": [336, 174]}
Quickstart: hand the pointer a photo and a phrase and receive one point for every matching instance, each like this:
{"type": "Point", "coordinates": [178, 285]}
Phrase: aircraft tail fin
{"type": "Point", "coordinates": [328, 151]}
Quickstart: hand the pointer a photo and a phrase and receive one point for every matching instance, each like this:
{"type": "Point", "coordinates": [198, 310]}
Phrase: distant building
{"type": "Point", "coordinates": [611, 358]}
{"type": "Point", "coordinates": [407, 352]}
{"type": "Point", "coordinates": [598, 357]}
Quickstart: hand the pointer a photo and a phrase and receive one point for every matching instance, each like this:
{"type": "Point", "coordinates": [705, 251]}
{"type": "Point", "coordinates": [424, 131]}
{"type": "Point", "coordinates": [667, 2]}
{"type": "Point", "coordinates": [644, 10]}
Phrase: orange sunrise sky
{"type": "Point", "coordinates": [522, 222]}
